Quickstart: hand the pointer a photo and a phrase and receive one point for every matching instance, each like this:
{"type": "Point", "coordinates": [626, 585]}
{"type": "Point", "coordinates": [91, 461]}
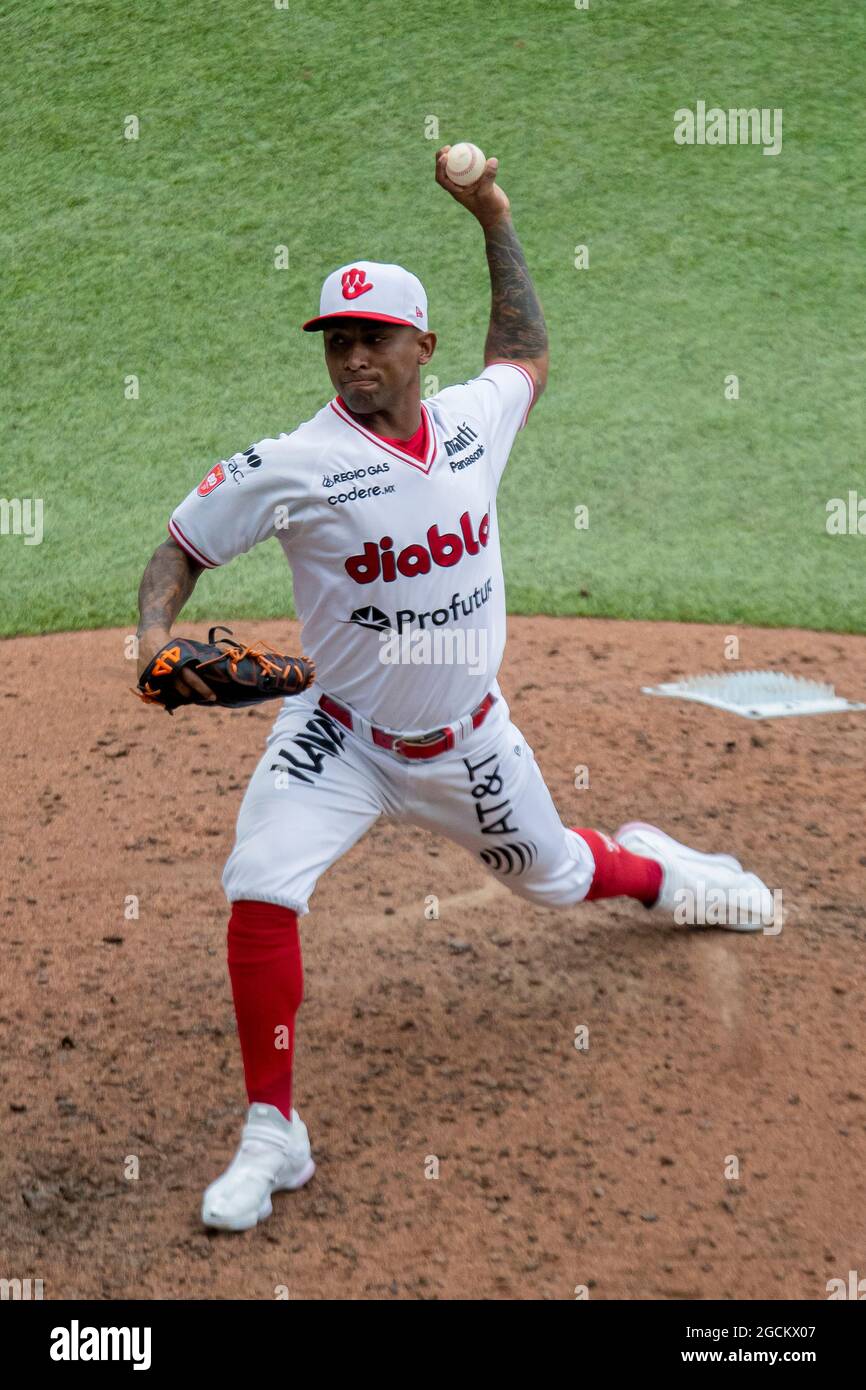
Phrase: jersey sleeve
{"type": "Point", "coordinates": [239, 502]}
{"type": "Point", "coordinates": [500, 398]}
{"type": "Point", "coordinates": [505, 393]}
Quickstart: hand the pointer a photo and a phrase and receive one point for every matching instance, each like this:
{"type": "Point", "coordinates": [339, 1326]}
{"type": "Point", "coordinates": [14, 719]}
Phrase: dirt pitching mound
{"type": "Point", "coordinates": [448, 1044]}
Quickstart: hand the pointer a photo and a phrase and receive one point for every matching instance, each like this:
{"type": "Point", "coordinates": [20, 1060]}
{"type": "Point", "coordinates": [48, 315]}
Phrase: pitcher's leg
{"type": "Point", "coordinates": [312, 796]}
{"type": "Point", "coordinates": [267, 978]}
{"type": "Point", "coordinates": [489, 796]}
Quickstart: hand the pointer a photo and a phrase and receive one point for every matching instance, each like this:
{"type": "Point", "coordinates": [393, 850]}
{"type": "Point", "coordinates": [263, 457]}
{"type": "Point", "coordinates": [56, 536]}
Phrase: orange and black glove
{"type": "Point", "coordinates": [237, 675]}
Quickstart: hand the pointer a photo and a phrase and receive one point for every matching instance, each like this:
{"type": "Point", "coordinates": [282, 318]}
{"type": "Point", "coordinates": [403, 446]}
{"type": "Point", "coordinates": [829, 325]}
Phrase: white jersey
{"type": "Point", "coordinates": [395, 561]}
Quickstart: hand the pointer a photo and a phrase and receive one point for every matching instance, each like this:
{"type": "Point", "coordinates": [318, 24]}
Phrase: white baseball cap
{"type": "Point", "coordinates": [371, 290]}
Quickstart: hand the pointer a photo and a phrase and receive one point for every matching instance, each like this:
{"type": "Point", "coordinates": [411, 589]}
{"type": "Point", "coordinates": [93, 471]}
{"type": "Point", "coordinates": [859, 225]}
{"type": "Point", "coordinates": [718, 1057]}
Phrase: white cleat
{"type": "Point", "coordinates": [711, 890]}
{"type": "Point", "coordinates": [274, 1156]}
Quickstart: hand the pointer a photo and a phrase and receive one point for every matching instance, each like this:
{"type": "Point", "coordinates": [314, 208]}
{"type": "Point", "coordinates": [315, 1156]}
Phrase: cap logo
{"type": "Point", "coordinates": [355, 283]}
{"type": "Point", "coordinates": [419, 313]}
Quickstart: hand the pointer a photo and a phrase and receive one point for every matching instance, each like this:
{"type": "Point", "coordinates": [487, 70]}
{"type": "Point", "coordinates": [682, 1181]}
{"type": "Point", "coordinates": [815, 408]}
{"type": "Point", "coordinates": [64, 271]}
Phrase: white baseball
{"type": "Point", "coordinates": [465, 164]}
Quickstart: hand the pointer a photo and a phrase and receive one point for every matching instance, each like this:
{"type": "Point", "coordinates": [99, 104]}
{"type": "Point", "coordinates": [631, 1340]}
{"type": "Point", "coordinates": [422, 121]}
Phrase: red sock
{"type": "Point", "coordinates": [267, 976]}
{"type": "Point", "coordinates": [619, 873]}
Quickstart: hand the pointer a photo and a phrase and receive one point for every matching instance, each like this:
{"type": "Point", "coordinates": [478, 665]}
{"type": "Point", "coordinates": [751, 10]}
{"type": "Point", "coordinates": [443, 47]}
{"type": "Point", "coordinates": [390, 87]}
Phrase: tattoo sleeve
{"type": "Point", "coordinates": [166, 585]}
{"type": "Point", "coordinates": [517, 327]}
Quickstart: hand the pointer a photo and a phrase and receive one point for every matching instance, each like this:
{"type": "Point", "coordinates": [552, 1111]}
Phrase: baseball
{"type": "Point", "coordinates": [465, 164]}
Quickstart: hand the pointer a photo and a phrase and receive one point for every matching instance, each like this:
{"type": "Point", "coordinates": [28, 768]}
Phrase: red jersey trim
{"type": "Point", "coordinates": [187, 545]}
{"type": "Point", "coordinates": [423, 467]}
{"type": "Point", "coordinates": [529, 379]}
{"type": "Point", "coordinates": [417, 445]}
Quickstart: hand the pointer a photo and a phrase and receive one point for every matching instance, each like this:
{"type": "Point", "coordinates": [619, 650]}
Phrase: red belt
{"type": "Point", "coordinates": [426, 745]}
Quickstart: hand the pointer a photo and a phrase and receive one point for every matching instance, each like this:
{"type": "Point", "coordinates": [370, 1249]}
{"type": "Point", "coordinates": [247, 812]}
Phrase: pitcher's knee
{"type": "Point", "coordinates": [557, 889]}
{"type": "Point", "coordinates": [559, 879]}
{"type": "Point", "coordinates": [249, 874]}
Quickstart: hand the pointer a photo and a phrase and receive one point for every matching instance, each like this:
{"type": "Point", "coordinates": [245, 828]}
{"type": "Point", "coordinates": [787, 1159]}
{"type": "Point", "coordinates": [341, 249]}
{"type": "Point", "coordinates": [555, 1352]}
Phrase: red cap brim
{"type": "Point", "coordinates": [313, 325]}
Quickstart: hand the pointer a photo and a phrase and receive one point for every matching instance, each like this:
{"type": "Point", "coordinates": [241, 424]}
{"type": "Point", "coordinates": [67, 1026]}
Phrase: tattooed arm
{"type": "Point", "coordinates": [517, 331]}
{"type": "Point", "coordinates": [166, 585]}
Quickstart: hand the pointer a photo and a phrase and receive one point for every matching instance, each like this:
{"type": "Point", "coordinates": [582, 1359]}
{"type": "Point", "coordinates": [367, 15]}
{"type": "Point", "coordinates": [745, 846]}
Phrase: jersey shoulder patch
{"type": "Point", "coordinates": [211, 480]}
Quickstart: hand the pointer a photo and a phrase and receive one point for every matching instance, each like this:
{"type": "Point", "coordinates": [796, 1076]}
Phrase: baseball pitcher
{"type": "Point", "coordinates": [385, 506]}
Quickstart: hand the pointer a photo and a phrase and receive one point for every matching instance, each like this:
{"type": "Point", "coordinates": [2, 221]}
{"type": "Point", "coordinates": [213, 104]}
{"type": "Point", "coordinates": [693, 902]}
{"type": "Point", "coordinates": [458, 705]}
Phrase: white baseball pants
{"type": "Point", "coordinates": [319, 787]}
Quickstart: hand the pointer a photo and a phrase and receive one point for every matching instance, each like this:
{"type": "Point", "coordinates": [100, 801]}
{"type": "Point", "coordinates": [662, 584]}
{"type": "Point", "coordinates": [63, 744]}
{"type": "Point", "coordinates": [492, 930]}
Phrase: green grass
{"type": "Point", "coordinates": [306, 127]}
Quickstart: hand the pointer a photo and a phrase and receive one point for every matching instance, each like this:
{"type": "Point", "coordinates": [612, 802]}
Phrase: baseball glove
{"type": "Point", "coordinates": [237, 675]}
